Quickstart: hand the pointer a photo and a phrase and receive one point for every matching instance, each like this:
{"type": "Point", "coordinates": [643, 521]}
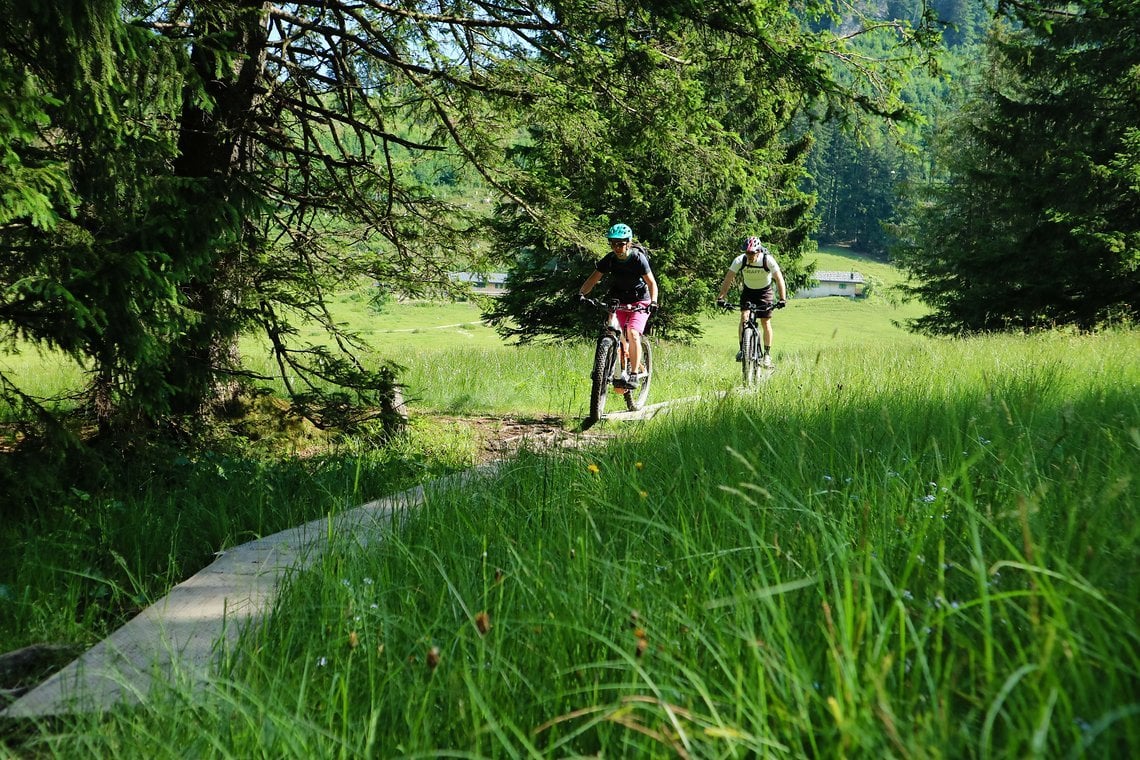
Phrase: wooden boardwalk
{"type": "Point", "coordinates": [179, 638]}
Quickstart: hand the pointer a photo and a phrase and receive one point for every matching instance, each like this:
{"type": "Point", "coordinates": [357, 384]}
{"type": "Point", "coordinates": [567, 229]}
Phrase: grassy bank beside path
{"type": "Point", "coordinates": [923, 550]}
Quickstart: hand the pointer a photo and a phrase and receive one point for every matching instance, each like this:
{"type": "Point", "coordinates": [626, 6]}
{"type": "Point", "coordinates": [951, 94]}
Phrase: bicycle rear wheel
{"type": "Point", "coordinates": [605, 356]}
{"type": "Point", "coordinates": [749, 361]}
{"type": "Point", "coordinates": [635, 399]}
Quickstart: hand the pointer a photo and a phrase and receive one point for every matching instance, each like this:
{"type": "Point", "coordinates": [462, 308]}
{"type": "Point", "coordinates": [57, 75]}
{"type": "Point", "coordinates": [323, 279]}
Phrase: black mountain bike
{"type": "Point", "coordinates": [611, 361]}
{"type": "Point", "coordinates": [752, 353]}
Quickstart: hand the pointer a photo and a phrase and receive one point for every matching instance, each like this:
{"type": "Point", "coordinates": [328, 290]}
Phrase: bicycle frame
{"type": "Point", "coordinates": [611, 359]}
{"type": "Point", "coordinates": [750, 337]}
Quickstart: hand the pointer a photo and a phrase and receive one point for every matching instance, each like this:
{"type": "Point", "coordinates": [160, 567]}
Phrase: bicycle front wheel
{"type": "Point", "coordinates": [635, 399]}
{"type": "Point", "coordinates": [750, 361]}
{"type": "Point", "coordinates": [605, 357]}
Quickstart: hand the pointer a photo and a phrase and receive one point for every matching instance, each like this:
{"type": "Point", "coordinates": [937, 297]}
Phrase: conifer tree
{"type": "Point", "coordinates": [686, 133]}
{"type": "Point", "coordinates": [1037, 219]}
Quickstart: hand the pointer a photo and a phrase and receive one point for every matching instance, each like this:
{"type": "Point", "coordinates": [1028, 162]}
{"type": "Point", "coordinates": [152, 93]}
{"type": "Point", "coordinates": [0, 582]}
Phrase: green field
{"type": "Point", "coordinates": [454, 364]}
{"type": "Point", "coordinates": [894, 547]}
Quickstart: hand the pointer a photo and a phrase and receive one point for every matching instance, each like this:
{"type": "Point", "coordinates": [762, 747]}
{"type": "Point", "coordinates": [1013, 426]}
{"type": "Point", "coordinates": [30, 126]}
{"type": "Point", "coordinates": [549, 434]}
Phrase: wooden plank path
{"type": "Point", "coordinates": [179, 637]}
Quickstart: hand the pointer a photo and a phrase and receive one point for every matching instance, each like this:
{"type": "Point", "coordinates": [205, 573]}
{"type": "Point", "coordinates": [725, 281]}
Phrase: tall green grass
{"type": "Point", "coordinates": [885, 551]}
{"type": "Point", "coordinates": [90, 550]}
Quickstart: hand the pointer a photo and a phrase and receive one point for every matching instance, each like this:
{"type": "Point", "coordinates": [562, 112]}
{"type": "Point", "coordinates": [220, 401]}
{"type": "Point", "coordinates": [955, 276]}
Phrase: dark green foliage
{"type": "Point", "coordinates": [682, 129]}
{"type": "Point", "coordinates": [1037, 219]}
{"type": "Point", "coordinates": [87, 265]}
{"type": "Point", "coordinates": [856, 179]}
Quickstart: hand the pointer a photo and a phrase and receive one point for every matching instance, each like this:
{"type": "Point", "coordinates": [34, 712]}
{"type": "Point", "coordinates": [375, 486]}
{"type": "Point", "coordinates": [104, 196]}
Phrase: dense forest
{"type": "Point", "coordinates": [1018, 157]}
{"type": "Point", "coordinates": [861, 168]}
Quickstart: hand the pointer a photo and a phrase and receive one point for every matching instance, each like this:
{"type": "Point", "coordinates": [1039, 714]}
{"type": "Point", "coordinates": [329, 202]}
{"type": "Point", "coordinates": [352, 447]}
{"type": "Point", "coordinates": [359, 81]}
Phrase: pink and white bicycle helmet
{"type": "Point", "coordinates": [752, 245]}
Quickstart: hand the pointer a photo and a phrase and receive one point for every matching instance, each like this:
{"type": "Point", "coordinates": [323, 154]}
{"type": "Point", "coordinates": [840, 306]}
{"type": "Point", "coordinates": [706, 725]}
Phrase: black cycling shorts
{"type": "Point", "coordinates": [764, 298]}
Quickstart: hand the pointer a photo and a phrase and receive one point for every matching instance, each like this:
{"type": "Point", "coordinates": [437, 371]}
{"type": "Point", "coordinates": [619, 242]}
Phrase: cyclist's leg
{"type": "Point", "coordinates": [752, 296]}
{"type": "Point", "coordinates": [634, 339]}
{"type": "Point", "coordinates": [633, 325]}
{"type": "Point", "coordinates": [765, 303]}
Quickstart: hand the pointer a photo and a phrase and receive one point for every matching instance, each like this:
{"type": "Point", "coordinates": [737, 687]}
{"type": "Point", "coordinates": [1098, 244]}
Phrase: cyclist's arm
{"type": "Point", "coordinates": [781, 287]}
{"type": "Point", "coordinates": [590, 282]}
{"type": "Point", "coordinates": [651, 281]}
{"type": "Point", "coordinates": [725, 284]}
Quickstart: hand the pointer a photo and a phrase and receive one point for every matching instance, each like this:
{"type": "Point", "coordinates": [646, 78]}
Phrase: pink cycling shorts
{"type": "Point", "coordinates": [633, 320]}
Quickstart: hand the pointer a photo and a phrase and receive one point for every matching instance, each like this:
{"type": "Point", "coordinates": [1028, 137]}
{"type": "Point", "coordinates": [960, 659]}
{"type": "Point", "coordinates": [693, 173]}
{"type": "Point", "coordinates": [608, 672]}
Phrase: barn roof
{"type": "Point", "coordinates": [831, 276]}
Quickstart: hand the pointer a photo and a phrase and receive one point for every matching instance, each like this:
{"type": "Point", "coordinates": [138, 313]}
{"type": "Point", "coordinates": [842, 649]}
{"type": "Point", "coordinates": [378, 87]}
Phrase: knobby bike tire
{"type": "Point", "coordinates": [605, 356]}
{"type": "Point", "coordinates": [749, 361]}
{"type": "Point", "coordinates": [635, 399]}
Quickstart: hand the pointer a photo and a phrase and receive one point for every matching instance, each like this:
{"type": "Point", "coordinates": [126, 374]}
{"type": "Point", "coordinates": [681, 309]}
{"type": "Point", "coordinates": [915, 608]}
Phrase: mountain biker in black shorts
{"type": "Point", "coordinates": [758, 269]}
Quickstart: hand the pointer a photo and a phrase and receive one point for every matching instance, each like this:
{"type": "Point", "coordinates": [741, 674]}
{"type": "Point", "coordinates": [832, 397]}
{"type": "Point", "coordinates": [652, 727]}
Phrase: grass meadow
{"type": "Point", "coordinates": [913, 552]}
{"type": "Point", "coordinates": [894, 547]}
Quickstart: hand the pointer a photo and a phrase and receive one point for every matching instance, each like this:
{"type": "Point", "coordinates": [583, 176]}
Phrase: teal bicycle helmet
{"type": "Point", "coordinates": [620, 232]}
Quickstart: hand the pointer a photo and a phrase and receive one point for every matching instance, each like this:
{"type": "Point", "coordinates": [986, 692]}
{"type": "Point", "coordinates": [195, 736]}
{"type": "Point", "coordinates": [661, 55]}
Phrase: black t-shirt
{"type": "Point", "coordinates": [625, 281]}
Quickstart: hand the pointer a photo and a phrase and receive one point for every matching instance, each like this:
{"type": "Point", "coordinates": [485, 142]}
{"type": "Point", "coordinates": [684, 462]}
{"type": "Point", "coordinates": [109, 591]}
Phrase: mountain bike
{"type": "Point", "coordinates": [611, 361]}
{"type": "Point", "coordinates": [751, 351]}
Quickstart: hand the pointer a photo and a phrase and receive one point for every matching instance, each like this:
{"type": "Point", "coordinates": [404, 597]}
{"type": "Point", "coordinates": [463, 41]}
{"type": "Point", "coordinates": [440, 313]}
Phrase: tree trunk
{"type": "Point", "coordinates": [215, 148]}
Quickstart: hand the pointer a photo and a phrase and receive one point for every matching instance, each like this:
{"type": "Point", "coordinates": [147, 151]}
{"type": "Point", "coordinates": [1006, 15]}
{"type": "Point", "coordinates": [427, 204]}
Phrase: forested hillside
{"type": "Point", "coordinates": [860, 169]}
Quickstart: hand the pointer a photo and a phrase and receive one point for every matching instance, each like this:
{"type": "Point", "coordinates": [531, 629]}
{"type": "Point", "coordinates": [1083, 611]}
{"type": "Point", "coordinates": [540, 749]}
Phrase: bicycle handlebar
{"type": "Point", "coordinates": [614, 305]}
{"type": "Point", "coordinates": [749, 306]}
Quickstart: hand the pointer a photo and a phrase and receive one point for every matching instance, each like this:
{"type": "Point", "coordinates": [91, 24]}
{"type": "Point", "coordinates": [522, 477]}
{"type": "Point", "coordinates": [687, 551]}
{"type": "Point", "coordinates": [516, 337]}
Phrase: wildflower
{"type": "Point", "coordinates": [353, 640]}
{"type": "Point", "coordinates": [322, 661]}
{"type": "Point", "coordinates": [367, 581]}
{"type": "Point", "coordinates": [593, 468]}
{"type": "Point", "coordinates": [642, 645]}
{"type": "Point", "coordinates": [640, 465]}
{"type": "Point", "coordinates": [643, 494]}
{"type": "Point", "coordinates": [483, 623]}
{"type": "Point", "coordinates": [433, 658]}
{"type": "Point", "coordinates": [346, 582]}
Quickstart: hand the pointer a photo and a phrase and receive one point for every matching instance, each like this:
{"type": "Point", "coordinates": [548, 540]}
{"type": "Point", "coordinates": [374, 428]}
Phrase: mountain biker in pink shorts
{"type": "Point", "coordinates": [632, 283]}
